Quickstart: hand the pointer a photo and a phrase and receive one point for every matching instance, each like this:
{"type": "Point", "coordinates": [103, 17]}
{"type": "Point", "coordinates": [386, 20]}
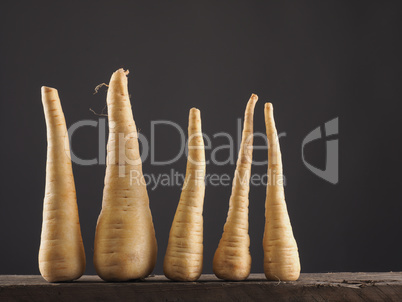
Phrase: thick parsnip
{"type": "Point", "coordinates": [184, 254]}
{"type": "Point", "coordinates": [61, 252]}
{"type": "Point", "coordinates": [281, 257]}
{"type": "Point", "coordinates": [232, 260]}
{"type": "Point", "coordinates": [125, 243]}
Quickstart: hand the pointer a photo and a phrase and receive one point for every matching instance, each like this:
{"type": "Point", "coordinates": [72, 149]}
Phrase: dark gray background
{"type": "Point", "coordinates": [315, 60]}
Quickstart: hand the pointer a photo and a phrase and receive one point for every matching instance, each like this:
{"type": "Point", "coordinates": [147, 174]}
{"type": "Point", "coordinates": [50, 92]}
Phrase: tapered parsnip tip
{"type": "Point", "coordinates": [195, 112]}
{"type": "Point", "coordinates": [269, 111]}
{"type": "Point", "coordinates": [118, 83]}
{"type": "Point", "coordinates": [46, 89]}
{"type": "Point", "coordinates": [121, 71]}
{"type": "Point", "coordinates": [49, 95]}
{"type": "Point", "coordinates": [251, 103]}
{"type": "Point", "coordinates": [254, 97]}
{"type": "Point", "coordinates": [269, 107]}
{"type": "Point", "coordinates": [119, 76]}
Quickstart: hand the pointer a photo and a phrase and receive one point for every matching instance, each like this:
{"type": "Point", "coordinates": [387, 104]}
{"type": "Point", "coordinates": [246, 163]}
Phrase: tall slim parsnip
{"type": "Point", "coordinates": [184, 254]}
{"type": "Point", "coordinates": [281, 257]}
{"type": "Point", "coordinates": [232, 260]}
{"type": "Point", "coordinates": [61, 252]}
{"type": "Point", "coordinates": [125, 243]}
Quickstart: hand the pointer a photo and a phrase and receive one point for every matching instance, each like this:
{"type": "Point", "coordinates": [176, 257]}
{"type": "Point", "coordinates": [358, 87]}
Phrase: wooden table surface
{"type": "Point", "coordinates": [310, 287]}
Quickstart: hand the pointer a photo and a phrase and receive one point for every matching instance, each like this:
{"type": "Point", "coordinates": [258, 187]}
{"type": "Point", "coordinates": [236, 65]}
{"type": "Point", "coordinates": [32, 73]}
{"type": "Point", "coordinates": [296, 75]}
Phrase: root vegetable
{"type": "Point", "coordinates": [281, 257]}
{"type": "Point", "coordinates": [125, 243]}
{"type": "Point", "coordinates": [232, 260]}
{"type": "Point", "coordinates": [61, 252]}
{"type": "Point", "coordinates": [184, 255]}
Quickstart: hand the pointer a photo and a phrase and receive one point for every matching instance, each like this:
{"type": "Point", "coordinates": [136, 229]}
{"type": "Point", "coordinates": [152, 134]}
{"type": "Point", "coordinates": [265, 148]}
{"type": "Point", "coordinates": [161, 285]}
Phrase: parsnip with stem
{"type": "Point", "coordinates": [232, 260]}
{"type": "Point", "coordinates": [281, 256]}
{"type": "Point", "coordinates": [61, 252]}
{"type": "Point", "coordinates": [184, 255]}
{"type": "Point", "coordinates": [125, 243]}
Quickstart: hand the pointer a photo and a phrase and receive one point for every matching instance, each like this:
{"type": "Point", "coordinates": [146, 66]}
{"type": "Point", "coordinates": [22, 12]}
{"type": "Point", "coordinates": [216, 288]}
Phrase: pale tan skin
{"type": "Point", "coordinates": [232, 260]}
{"type": "Point", "coordinates": [61, 252]}
{"type": "Point", "coordinates": [125, 242]}
{"type": "Point", "coordinates": [281, 256]}
{"type": "Point", "coordinates": [184, 255]}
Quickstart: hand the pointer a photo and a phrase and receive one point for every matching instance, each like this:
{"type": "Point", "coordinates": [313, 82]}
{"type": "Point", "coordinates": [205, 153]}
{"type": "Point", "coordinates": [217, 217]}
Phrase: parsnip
{"type": "Point", "coordinates": [281, 257]}
{"type": "Point", "coordinates": [125, 243]}
{"type": "Point", "coordinates": [184, 255]}
{"type": "Point", "coordinates": [232, 260]}
{"type": "Point", "coordinates": [61, 252]}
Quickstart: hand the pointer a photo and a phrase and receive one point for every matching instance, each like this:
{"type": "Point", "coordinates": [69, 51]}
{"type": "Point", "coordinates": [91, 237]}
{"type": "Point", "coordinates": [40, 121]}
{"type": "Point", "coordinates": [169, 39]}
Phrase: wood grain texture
{"type": "Point", "coordinates": [310, 287]}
